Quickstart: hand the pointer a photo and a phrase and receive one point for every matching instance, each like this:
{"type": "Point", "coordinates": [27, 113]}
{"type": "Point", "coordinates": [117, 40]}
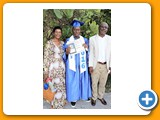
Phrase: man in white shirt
{"type": "Point", "coordinates": [99, 62]}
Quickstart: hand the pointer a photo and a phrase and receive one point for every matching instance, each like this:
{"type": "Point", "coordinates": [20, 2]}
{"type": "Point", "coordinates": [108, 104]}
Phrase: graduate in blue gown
{"type": "Point", "coordinates": [78, 83]}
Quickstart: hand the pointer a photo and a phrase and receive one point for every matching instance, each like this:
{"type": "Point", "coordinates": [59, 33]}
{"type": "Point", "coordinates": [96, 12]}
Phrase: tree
{"type": "Point", "coordinates": [63, 18]}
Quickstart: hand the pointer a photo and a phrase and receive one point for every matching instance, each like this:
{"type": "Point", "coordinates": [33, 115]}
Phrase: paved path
{"type": "Point", "coordinates": [86, 105]}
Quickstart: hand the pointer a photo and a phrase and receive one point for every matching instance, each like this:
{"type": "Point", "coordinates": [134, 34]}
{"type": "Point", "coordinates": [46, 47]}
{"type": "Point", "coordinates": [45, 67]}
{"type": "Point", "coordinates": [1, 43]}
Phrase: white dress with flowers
{"type": "Point", "coordinates": [55, 68]}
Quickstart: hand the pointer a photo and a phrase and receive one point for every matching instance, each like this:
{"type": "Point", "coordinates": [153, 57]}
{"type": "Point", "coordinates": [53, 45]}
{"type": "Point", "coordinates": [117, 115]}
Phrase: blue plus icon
{"type": "Point", "coordinates": [147, 99]}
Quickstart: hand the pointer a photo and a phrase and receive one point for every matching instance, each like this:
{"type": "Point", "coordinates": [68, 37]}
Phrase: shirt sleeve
{"type": "Point", "coordinates": [90, 53]}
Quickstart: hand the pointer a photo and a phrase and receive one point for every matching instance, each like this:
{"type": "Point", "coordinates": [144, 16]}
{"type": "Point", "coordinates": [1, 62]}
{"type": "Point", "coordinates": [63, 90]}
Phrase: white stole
{"type": "Point", "coordinates": [71, 57]}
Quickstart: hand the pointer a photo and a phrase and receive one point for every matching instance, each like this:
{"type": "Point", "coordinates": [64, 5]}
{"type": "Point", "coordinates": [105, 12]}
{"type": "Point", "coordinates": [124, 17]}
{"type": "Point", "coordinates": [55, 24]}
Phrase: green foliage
{"type": "Point", "coordinates": [108, 84]}
{"type": "Point", "coordinates": [93, 27]}
{"type": "Point", "coordinates": [68, 13]}
{"type": "Point", "coordinates": [58, 13]}
{"type": "Point", "coordinates": [63, 18]}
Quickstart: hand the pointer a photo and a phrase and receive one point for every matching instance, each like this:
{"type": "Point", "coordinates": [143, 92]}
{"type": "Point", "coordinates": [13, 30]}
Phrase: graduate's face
{"type": "Point", "coordinates": [76, 31]}
{"type": "Point", "coordinates": [103, 28]}
{"type": "Point", "coordinates": [57, 33]}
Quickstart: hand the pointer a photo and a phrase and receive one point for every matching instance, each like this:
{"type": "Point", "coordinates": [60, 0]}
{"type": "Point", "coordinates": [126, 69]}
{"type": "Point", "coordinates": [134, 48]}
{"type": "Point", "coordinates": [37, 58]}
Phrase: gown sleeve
{"type": "Point", "coordinates": [65, 56]}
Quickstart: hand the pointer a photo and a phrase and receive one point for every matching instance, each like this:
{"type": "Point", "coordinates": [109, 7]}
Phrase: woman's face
{"type": "Point", "coordinates": [57, 33]}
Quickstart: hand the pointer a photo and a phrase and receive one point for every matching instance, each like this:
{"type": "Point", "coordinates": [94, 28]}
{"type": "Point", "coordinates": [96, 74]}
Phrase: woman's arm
{"type": "Point", "coordinates": [46, 60]}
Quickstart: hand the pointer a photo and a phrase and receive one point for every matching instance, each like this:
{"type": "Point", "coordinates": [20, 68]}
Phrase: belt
{"type": "Point", "coordinates": [103, 63]}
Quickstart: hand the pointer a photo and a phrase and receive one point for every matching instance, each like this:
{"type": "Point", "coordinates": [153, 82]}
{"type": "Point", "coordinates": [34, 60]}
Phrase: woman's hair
{"type": "Point", "coordinates": [55, 28]}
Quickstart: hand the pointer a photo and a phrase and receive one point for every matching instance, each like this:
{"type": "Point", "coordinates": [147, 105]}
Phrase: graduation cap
{"type": "Point", "coordinates": [76, 23]}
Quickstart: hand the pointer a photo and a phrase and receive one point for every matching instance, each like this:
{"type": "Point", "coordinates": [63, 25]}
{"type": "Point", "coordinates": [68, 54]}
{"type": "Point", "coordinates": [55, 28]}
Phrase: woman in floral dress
{"type": "Point", "coordinates": [54, 68]}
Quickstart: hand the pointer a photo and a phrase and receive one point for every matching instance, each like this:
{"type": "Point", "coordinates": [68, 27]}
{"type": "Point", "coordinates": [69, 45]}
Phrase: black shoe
{"type": "Point", "coordinates": [88, 100]}
{"type": "Point", "coordinates": [103, 101]}
{"type": "Point", "coordinates": [73, 104]}
{"type": "Point", "coordinates": [93, 102]}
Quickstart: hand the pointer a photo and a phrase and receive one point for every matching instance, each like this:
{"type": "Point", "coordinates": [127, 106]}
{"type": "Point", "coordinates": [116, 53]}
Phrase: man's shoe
{"type": "Point", "coordinates": [73, 104]}
{"type": "Point", "coordinates": [103, 101]}
{"type": "Point", "coordinates": [93, 102]}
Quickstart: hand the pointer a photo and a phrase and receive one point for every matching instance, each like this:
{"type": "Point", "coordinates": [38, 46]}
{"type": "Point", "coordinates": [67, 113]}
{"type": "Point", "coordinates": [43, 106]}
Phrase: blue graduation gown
{"type": "Point", "coordinates": [78, 85]}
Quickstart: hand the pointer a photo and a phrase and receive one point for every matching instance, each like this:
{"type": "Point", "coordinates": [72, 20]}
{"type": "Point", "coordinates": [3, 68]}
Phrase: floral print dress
{"type": "Point", "coordinates": [55, 68]}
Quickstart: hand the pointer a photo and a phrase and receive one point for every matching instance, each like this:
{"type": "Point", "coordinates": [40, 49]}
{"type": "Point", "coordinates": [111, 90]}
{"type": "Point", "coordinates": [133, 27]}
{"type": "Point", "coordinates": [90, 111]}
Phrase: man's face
{"type": "Point", "coordinates": [76, 31]}
{"type": "Point", "coordinates": [103, 28]}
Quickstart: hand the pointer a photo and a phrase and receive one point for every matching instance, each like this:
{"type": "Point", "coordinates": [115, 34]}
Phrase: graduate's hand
{"type": "Point", "coordinates": [85, 46]}
{"type": "Point", "coordinates": [68, 50]}
{"type": "Point", "coordinates": [91, 70]}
